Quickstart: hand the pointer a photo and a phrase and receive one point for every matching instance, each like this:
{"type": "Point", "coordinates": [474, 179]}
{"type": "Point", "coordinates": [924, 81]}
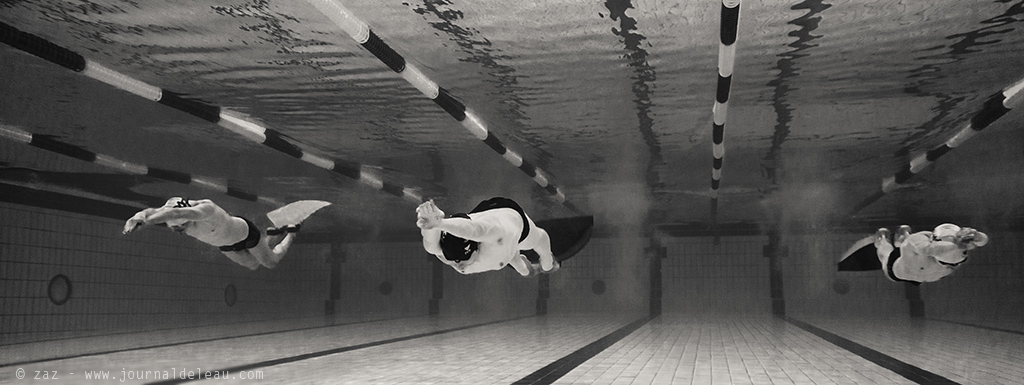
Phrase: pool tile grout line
{"type": "Point", "coordinates": [904, 369]}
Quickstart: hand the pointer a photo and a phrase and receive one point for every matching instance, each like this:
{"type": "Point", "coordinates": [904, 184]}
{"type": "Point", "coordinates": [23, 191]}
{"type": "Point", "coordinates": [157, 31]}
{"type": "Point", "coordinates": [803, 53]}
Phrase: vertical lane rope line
{"type": "Point", "coordinates": [726, 60]}
{"type": "Point", "coordinates": [991, 110]}
{"type": "Point", "coordinates": [48, 143]}
{"type": "Point", "coordinates": [223, 117]}
{"type": "Point", "coordinates": [361, 33]}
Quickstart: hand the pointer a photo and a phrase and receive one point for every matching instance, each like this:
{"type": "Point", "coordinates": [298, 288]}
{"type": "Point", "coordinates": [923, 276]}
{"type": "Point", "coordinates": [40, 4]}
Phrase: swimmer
{"type": "Point", "coordinates": [237, 237]}
{"type": "Point", "coordinates": [926, 256]}
{"type": "Point", "coordinates": [488, 238]}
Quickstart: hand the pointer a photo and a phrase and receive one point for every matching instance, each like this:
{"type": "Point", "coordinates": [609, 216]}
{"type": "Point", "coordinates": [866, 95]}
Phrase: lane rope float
{"type": "Point", "coordinates": [231, 120]}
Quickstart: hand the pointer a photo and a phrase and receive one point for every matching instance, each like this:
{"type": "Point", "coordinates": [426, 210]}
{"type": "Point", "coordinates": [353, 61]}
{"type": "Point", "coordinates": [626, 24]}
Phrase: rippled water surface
{"type": "Point", "coordinates": [612, 100]}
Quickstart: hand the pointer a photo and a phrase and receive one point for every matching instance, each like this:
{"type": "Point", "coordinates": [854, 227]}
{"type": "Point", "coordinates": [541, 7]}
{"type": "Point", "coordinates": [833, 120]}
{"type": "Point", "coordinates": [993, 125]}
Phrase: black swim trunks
{"type": "Point", "coordinates": [249, 242]}
{"type": "Point", "coordinates": [893, 256]}
{"type": "Point", "coordinates": [504, 203]}
{"type": "Point", "coordinates": [460, 249]}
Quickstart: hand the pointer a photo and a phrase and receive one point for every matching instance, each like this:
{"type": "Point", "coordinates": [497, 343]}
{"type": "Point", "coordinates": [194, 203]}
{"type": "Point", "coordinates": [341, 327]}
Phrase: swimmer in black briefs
{"type": "Point", "coordinates": [926, 256]}
{"type": "Point", "coordinates": [237, 237]}
{"type": "Point", "coordinates": [488, 238]}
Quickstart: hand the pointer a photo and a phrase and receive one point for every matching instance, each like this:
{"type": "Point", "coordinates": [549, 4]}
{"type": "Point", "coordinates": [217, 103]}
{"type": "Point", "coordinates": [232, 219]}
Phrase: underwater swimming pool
{"type": "Point", "coordinates": [582, 108]}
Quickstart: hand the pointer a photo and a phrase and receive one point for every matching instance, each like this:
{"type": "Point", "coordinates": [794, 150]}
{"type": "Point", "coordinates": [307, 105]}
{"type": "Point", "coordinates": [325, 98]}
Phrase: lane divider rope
{"type": "Point", "coordinates": [991, 110]}
{"type": "Point", "coordinates": [47, 142]}
{"type": "Point", "coordinates": [726, 62]}
{"type": "Point", "coordinates": [362, 34]}
{"type": "Point", "coordinates": [223, 117]}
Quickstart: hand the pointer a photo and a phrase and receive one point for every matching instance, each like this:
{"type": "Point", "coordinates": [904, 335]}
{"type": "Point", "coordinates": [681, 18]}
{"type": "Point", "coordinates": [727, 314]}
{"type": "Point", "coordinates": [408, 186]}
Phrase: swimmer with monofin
{"type": "Point", "coordinates": [238, 238]}
{"type": "Point", "coordinates": [924, 256]}
{"type": "Point", "coordinates": [498, 233]}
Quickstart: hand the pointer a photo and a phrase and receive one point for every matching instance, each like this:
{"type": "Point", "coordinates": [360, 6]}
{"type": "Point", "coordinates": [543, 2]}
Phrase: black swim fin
{"type": "Point", "coordinates": [568, 236]}
{"type": "Point", "coordinates": [862, 256]}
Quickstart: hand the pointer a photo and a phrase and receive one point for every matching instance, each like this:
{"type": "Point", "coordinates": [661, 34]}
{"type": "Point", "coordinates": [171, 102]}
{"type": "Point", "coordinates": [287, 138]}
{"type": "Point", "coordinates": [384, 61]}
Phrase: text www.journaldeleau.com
{"type": "Point", "coordinates": [172, 374]}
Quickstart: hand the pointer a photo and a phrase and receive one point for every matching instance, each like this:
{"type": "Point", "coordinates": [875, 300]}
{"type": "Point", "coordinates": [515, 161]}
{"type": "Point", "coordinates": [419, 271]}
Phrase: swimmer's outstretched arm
{"type": "Point", "coordinates": [431, 241]}
{"type": "Point", "coordinates": [431, 244]}
{"type": "Point", "coordinates": [194, 213]}
{"type": "Point", "coordinates": [426, 214]}
{"type": "Point", "coordinates": [474, 230]}
{"type": "Point", "coordinates": [137, 220]}
{"type": "Point", "coordinates": [163, 214]}
{"type": "Point", "coordinates": [946, 251]}
{"type": "Point", "coordinates": [429, 217]}
{"type": "Point", "coordinates": [924, 244]}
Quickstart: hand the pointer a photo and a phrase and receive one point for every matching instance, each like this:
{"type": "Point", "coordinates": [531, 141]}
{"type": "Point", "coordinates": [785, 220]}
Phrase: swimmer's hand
{"type": "Point", "coordinates": [461, 266]}
{"type": "Point", "coordinates": [133, 223]}
{"type": "Point", "coordinates": [428, 216]}
{"type": "Point", "coordinates": [970, 238]}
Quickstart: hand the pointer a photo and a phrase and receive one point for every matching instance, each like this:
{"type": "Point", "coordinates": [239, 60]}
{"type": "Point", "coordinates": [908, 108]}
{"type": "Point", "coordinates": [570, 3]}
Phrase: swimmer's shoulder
{"type": "Point", "coordinates": [197, 202]}
{"type": "Point", "coordinates": [921, 236]}
{"type": "Point", "coordinates": [208, 207]}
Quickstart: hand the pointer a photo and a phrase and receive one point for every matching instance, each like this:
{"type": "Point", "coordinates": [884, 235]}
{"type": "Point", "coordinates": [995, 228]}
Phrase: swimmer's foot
{"type": "Point", "coordinates": [901, 235]}
{"type": "Point", "coordinates": [282, 230]}
{"type": "Point", "coordinates": [547, 263]}
{"type": "Point", "coordinates": [553, 268]}
{"type": "Point", "coordinates": [883, 234]}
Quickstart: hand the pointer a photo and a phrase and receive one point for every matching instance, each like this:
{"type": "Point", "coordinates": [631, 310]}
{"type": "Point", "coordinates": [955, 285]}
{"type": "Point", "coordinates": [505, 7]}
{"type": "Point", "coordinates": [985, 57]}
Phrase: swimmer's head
{"type": "Point", "coordinates": [177, 202]}
{"type": "Point", "coordinates": [456, 248]}
{"type": "Point", "coordinates": [946, 230]}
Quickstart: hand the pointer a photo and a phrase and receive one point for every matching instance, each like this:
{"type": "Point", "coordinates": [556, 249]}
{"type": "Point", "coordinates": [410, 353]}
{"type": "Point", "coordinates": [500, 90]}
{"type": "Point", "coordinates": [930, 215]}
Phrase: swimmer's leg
{"type": "Point", "coordinates": [282, 247]}
{"type": "Point", "coordinates": [882, 246]}
{"type": "Point", "coordinates": [521, 265]}
{"type": "Point", "coordinates": [272, 248]}
{"type": "Point", "coordinates": [243, 258]}
{"type": "Point", "coordinates": [901, 235]}
{"type": "Point", "coordinates": [540, 242]}
{"type": "Point", "coordinates": [264, 255]}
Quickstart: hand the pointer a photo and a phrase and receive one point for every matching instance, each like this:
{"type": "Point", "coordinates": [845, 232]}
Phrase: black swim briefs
{"type": "Point", "coordinates": [249, 242]}
{"type": "Point", "coordinates": [504, 203]}
{"type": "Point", "coordinates": [893, 256]}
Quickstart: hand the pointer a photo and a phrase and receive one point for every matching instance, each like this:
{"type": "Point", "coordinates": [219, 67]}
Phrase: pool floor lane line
{"type": "Point", "coordinates": [169, 344]}
{"type": "Point", "coordinates": [555, 370]}
{"type": "Point", "coordinates": [911, 372]}
{"type": "Point", "coordinates": [1011, 331]}
{"type": "Point", "coordinates": [301, 357]}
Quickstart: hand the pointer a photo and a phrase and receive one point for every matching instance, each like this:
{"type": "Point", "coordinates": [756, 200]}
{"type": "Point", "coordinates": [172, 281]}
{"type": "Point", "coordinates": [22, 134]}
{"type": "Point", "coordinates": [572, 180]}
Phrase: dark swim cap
{"type": "Point", "coordinates": [455, 248]}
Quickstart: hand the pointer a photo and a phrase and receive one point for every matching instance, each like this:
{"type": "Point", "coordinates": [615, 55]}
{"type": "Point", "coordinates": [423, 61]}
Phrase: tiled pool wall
{"type": "Point", "coordinates": [155, 279]}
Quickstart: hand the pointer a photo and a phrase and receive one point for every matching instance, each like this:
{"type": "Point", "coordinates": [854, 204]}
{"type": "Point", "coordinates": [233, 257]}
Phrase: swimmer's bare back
{"type": "Point", "coordinates": [201, 219]}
